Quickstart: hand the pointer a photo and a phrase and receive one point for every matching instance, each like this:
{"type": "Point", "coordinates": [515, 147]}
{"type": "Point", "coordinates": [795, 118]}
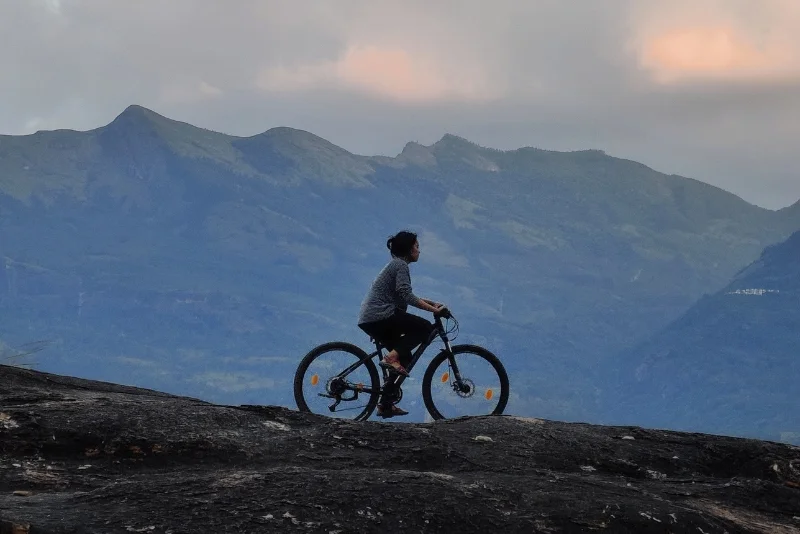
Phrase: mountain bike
{"type": "Point", "coordinates": [340, 379]}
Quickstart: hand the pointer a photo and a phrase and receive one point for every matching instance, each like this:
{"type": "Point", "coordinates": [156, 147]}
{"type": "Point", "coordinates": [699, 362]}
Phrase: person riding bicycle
{"type": "Point", "coordinates": [384, 317]}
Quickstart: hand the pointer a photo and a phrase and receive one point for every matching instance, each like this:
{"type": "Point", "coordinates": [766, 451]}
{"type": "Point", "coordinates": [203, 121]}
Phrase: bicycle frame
{"type": "Point", "coordinates": [438, 331]}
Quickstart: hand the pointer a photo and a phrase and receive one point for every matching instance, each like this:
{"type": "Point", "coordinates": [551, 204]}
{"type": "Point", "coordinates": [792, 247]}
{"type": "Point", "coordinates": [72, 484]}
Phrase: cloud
{"type": "Point", "coordinates": [392, 73]}
{"type": "Point", "coordinates": [189, 93]}
{"type": "Point", "coordinates": [714, 52]}
{"type": "Point", "coordinates": [733, 41]}
{"type": "Point", "coordinates": [704, 88]}
{"type": "Point", "coordinates": [33, 124]}
{"type": "Point", "coordinates": [54, 6]}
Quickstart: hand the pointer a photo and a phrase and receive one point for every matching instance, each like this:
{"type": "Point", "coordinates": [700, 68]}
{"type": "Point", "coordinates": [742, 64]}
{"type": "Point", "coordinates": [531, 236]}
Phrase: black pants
{"type": "Point", "coordinates": [401, 332]}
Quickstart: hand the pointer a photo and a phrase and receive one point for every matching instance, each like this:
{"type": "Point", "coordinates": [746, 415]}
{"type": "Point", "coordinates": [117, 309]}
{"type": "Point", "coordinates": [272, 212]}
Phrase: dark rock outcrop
{"type": "Point", "coordinates": [92, 457]}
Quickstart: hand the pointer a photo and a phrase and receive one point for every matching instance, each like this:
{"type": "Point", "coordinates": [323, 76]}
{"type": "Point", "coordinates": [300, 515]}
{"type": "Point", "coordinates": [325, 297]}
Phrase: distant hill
{"type": "Point", "coordinates": [731, 363]}
{"type": "Point", "coordinates": [165, 255]}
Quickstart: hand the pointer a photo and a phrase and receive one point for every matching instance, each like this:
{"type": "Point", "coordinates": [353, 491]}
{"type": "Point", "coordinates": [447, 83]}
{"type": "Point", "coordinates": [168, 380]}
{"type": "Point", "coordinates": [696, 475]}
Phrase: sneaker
{"type": "Point", "coordinates": [391, 411]}
{"type": "Point", "coordinates": [394, 366]}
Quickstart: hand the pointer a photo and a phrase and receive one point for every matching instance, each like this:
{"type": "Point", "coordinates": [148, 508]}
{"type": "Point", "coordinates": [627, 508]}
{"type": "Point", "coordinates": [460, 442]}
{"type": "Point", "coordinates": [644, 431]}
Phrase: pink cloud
{"type": "Point", "coordinates": [712, 40]}
{"type": "Point", "coordinates": [712, 52]}
{"type": "Point", "coordinates": [388, 72]}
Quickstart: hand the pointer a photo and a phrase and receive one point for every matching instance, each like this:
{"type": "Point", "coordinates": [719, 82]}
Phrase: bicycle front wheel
{"type": "Point", "coordinates": [471, 381]}
{"type": "Point", "coordinates": [330, 381]}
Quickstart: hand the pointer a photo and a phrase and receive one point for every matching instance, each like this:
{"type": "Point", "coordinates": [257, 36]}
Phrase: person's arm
{"type": "Point", "coordinates": [428, 305]}
{"type": "Point", "coordinates": [432, 302]}
{"type": "Point", "coordinates": [403, 286]}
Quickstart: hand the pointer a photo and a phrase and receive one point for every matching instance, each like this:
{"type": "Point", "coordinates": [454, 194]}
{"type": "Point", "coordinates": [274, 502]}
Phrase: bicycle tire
{"type": "Point", "coordinates": [358, 353]}
{"type": "Point", "coordinates": [476, 350]}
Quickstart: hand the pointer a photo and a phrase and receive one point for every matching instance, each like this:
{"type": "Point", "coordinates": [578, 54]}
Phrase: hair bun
{"type": "Point", "coordinates": [400, 244]}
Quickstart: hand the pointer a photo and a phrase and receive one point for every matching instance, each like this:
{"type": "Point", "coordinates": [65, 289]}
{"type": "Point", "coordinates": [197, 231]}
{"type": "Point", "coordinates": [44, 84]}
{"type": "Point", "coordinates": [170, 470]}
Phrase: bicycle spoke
{"type": "Point", "coordinates": [321, 388]}
{"type": "Point", "coordinates": [477, 388]}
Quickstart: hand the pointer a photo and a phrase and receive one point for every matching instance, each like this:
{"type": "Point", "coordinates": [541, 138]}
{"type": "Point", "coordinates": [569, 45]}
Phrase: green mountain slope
{"type": "Point", "coordinates": [171, 256]}
{"type": "Point", "coordinates": [730, 363]}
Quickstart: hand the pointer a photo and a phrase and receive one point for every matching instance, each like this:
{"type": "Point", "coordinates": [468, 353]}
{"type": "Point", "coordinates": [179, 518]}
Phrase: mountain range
{"type": "Point", "coordinates": [155, 253]}
{"type": "Point", "coordinates": [730, 363]}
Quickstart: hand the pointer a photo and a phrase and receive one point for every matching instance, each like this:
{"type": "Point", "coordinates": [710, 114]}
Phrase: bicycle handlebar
{"type": "Point", "coordinates": [444, 312]}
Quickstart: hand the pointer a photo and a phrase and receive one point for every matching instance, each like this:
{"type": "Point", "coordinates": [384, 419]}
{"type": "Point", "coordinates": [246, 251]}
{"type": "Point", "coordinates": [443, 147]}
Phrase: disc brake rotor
{"type": "Point", "coordinates": [466, 389]}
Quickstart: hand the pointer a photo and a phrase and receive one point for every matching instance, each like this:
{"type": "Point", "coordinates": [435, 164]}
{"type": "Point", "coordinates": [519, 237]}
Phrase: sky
{"type": "Point", "coordinates": [708, 89]}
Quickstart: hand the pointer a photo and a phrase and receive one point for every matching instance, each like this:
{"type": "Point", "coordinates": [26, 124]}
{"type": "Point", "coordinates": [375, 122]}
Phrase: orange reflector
{"type": "Point", "coordinates": [445, 377]}
{"type": "Point", "coordinates": [489, 394]}
{"type": "Point", "coordinates": [314, 380]}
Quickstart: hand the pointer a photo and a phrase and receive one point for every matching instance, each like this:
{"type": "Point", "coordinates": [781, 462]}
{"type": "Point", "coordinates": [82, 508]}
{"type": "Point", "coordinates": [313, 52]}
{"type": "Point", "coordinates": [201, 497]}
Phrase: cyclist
{"type": "Point", "coordinates": [384, 317]}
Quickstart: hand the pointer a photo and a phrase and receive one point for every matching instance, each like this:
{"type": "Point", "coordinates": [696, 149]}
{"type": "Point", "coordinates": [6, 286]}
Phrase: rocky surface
{"type": "Point", "coordinates": [91, 457]}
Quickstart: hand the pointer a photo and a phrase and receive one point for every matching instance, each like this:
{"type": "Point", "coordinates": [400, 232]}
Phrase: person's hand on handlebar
{"type": "Point", "coordinates": [431, 306]}
{"type": "Point", "coordinates": [442, 311]}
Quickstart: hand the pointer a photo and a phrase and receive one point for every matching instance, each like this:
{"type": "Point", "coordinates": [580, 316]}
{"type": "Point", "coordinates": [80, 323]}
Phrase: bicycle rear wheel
{"type": "Point", "coordinates": [320, 382]}
{"type": "Point", "coordinates": [473, 383]}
